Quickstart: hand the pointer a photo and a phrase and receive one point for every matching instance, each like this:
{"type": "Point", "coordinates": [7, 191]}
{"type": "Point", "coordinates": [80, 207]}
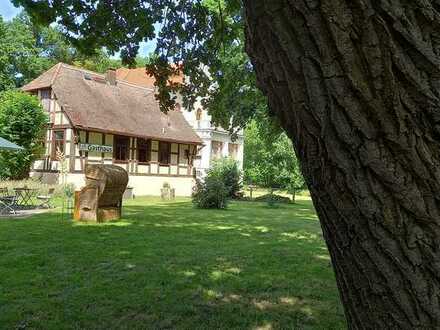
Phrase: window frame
{"type": "Point", "coordinates": [54, 143]}
{"type": "Point", "coordinates": [146, 145]}
{"type": "Point", "coordinates": [234, 148]}
{"type": "Point", "coordinates": [45, 99]}
{"type": "Point", "coordinates": [199, 114]}
{"type": "Point", "coordinates": [219, 155]}
{"type": "Point", "coordinates": [116, 142]}
{"type": "Point", "coordinates": [168, 151]}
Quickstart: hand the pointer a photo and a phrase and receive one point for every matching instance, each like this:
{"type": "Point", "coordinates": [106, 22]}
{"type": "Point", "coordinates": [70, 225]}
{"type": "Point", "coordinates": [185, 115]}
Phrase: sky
{"type": "Point", "coordinates": [8, 11]}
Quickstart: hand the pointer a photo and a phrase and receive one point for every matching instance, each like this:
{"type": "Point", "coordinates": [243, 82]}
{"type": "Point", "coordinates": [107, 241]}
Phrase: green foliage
{"type": "Point", "coordinates": [227, 170]}
{"type": "Point", "coordinates": [222, 182]}
{"type": "Point", "coordinates": [269, 159]}
{"type": "Point", "coordinates": [26, 59]}
{"type": "Point", "coordinates": [27, 50]}
{"type": "Point", "coordinates": [6, 79]}
{"type": "Point", "coordinates": [22, 121]}
{"type": "Point", "coordinates": [211, 193]}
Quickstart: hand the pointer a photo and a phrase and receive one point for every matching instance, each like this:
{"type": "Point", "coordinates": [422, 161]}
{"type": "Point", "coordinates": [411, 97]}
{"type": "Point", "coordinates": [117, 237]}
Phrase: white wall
{"type": "Point", "coordinates": [208, 133]}
{"type": "Point", "coordinates": [142, 185]}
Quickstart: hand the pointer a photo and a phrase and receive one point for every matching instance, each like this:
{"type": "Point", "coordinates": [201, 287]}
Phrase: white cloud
{"type": "Point", "coordinates": [7, 10]}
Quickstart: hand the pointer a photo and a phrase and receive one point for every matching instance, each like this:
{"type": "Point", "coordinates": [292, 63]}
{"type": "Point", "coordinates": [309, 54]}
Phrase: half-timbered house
{"type": "Point", "coordinates": [218, 142]}
{"type": "Point", "coordinates": [97, 119]}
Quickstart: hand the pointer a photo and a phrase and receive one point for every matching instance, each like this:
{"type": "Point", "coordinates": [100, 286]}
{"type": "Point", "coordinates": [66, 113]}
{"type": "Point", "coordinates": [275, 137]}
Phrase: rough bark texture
{"type": "Point", "coordinates": [356, 84]}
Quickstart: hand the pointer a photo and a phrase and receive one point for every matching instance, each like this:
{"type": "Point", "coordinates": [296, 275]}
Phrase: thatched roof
{"type": "Point", "coordinates": [92, 103]}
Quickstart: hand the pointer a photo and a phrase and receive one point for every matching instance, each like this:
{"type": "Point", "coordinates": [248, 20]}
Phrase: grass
{"type": "Point", "coordinates": [259, 191]}
{"type": "Point", "coordinates": [170, 266]}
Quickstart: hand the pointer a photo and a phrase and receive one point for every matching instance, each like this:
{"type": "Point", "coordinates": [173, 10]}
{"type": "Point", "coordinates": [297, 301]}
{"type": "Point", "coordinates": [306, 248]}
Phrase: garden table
{"type": "Point", "coordinates": [25, 196]}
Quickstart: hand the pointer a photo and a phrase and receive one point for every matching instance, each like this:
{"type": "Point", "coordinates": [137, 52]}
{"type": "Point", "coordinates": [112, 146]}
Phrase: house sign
{"type": "Point", "coordinates": [95, 147]}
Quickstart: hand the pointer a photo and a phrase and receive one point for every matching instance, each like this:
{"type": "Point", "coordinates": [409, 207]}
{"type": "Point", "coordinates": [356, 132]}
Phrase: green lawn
{"type": "Point", "coordinates": [170, 266]}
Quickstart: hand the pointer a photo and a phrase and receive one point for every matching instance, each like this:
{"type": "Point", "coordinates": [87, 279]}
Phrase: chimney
{"type": "Point", "coordinates": [110, 76]}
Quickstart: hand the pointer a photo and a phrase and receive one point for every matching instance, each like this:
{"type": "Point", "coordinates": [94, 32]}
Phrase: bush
{"type": "Point", "coordinates": [210, 193]}
{"type": "Point", "coordinates": [273, 198]}
{"type": "Point", "coordinates": [222, 182]}
{"type": "Point", "coordinates": [22, 121]}
{"type": "Point", "coordinates": [227, 170]}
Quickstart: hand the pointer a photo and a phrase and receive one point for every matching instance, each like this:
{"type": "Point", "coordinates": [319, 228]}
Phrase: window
{"type": "Point", "coordinates": [45, 99]}
{"type": "Point", "coordinates": [233, 150]}
{"type": "Point", "coordinates": [121, 147]}
{"type": "Point", "coordinates": [216, 149]}
{"type": "Point", "coordinates": [144, 148]}
{"type": "Point", "coordinates": [164, 153]}
{"type": "Point", "coordinates": [199, 114]}
{"type": "Point", "coordinates": [57, 143]}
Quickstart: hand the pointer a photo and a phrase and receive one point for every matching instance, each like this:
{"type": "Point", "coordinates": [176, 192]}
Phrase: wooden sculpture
{"type": "Point", "coordinates": [101, 198]}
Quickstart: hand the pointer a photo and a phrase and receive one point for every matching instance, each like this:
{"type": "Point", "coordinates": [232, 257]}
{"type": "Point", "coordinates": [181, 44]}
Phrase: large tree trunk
{"type": "Point", "coordinates": [356, 84]}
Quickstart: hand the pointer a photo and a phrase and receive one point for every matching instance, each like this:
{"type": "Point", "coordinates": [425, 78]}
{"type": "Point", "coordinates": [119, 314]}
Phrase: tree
{"type": "Point", "coordinates": [355, 85]}
{"type": "Point", "coordinates": [27, 50]}
{"type": "Point", "coordinates": [22, 121]}
{"type": "Point", "coordinates": [6, 79]}
{"type": "Point", "coordinates": [25, 58]}
{"type": "Point", "coordinates": [268, 157]}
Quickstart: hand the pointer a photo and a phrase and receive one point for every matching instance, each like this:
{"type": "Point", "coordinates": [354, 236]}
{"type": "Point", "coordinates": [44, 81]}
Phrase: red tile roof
{"type": "Point", "coordinates": [140, 77]}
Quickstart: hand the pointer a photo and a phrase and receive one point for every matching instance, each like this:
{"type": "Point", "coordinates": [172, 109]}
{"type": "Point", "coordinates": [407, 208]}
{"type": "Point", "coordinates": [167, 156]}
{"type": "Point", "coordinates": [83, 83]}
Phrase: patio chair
{"type": "Point", "coordinates": [4, 192]}
{"type": "Point", "coordinates": [45, 200]}
{"type": "Point", "coordinates": [7, 202]}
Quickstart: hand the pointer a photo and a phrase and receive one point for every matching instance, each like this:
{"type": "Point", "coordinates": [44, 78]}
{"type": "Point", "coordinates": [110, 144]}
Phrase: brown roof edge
{"type": "Point", "coordinates": [44, 80]}
{"type": "Point", "coordinates": [59, 65]}
{"type": "Point", "coordinates": [91, 129]}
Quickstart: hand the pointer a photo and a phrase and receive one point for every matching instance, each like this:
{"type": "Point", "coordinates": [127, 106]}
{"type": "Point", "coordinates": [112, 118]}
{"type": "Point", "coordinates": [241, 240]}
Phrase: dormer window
{"type": "Point", "coordinates": [45, 99]}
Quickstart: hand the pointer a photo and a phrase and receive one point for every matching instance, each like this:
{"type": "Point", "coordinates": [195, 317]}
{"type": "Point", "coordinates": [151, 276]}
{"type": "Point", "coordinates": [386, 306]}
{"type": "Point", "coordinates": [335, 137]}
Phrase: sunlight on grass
{"type": "Point", "coordinates": [189, 273]}
{"type": "Point", "coordinates": [102, 224]}
{"type": "Point", "coordinates": [296, 235]}
{"type": "Point", "coordinates": [170, 266]}
{"type": "Point", "coordinates": [323, 257]}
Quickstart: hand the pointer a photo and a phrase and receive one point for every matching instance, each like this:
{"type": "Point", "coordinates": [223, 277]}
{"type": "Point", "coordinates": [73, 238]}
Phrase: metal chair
{"type": "Point", "coordinates": [46, 199]}
{"type": "Point", "coordinates": [4, 192]}
{"type": "Point", "coordinates": [7, 202]}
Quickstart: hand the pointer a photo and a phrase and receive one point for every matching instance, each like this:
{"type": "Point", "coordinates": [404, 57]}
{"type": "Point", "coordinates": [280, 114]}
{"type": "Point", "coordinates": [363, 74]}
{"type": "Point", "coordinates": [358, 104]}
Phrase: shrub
{"type": "Point", "coordinates": [210, 193]}
{"type": "Point", "coordinates": [222, 182]}
{"type": "Point", "coordinates": [273, 198]}
{"type": "Point", "coordinates": [227, 170]}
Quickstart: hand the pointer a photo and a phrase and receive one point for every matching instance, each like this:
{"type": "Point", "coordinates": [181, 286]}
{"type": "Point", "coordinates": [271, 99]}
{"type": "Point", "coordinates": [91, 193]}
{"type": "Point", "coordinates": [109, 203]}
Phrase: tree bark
{"type": "Point", "coordinates": [356, 85]}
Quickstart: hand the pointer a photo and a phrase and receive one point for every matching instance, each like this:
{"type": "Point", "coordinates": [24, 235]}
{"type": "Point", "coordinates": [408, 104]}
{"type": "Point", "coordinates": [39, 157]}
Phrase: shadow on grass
{"type": "Point", "coordinates": [170, 266]}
